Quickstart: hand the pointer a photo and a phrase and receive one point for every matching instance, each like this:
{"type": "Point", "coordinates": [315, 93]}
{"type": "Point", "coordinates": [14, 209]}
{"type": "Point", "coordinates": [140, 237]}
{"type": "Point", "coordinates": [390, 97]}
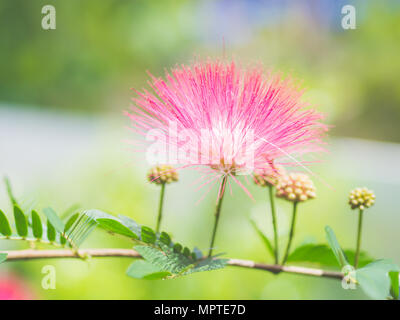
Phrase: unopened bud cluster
{"type": "Point", "coordinates": [296, 187]}
{"type": "Point", "coordinates": [268, 176]}
{"type": "Point", "coordinates": [162, 174]}
{"type": "Point", "coordinates": [361, 198]}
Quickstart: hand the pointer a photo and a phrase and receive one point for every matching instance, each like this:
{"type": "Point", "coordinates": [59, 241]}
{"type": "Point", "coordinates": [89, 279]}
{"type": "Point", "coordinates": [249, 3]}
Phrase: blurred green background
{"type": "Point", "coordinates": [62, 132]}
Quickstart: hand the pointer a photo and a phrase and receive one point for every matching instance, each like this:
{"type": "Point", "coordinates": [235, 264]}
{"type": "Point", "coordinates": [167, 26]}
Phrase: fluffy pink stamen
{"type": "Point", "coordinates": [236, 109]}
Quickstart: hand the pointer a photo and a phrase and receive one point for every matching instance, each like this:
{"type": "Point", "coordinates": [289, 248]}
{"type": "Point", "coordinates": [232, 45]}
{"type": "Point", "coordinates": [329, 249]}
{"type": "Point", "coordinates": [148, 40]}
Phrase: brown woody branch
{"type": "Point", "coordinates": [96, 253]}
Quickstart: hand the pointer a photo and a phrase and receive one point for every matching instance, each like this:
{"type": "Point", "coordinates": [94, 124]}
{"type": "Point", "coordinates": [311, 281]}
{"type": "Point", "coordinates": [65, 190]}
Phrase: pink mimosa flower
{"type": "Point", "coordinates": [226, 118]}
{"type": "Point", "coordinates": [13, 287]}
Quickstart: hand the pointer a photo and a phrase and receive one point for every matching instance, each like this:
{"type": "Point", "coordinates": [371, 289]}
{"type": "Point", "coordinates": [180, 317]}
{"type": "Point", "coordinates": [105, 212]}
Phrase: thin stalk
{"type": "Point", "coordinates": [217, 213]}
{"type": "Point", "coordinates": [357, 255]}
{"type": "Point", "coordinates": [272, 203]}
{"type": "Point", "coordinates": [160, 207]}
{"type": "Point", "coordinates": [291, 233]}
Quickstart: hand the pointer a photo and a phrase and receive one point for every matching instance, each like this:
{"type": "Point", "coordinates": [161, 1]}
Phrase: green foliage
{"type": "Point", "coordinates": [80, 229]}
{"type": "Point", "coordinates": [3, 257]}
{"type": "Point", "coordinates": [334, 244]}
{"type": "Point", "coordinates": [142, 269]}
{"type": "Point", "coordinates": [321, 254]}
{"type": "Point", "coordinates": [55, 232]}
{"type": "Point", "coordinates": [394, 279]}
{"type": "Point", "coordinates": [74, 231]}
{"type": "Point", "coordinates": [20, 222]}
{"type": "Point", "coordinates": [167, 260]}
{"type": "Point", "coordinates": [9, 192]}
{"type": "Point", "coordinates": [51, 232]}
{"type": "Point", "coordinates": [63, 240]}
{"type": "Point", "coordinates": [131, 224]}
{"type": "Point", "coordinates": [54, 219]}
{"type": "Point", "coordinates": [165, 238]}
{"type": "Point", "coordinates": [70, 222]}
{"type": "Point", "coordinates": [177, 247]}
{"type": "Point", "coordinates": [163, 258]}
{"type": "Point", "coordinates": [378, 278]}
{"type": "Point", "coordinates": [148, 235]}
{"type": "Point", "coordinates": [114, 226]}
{"type": "Point", "coordinates": [264, 238]}
{"type": "Point", "coordinates": [37, 227]}
{"type": "Point", "coordinates": [5, 228]}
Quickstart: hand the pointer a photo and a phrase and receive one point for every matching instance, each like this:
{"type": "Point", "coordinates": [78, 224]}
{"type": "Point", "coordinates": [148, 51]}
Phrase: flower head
{"type": "Point", "coordinates": [295, 187]}
{"type": "Point", "coordinates": [162, 174]}
{"type": "Point", "coordinates": [268, 176]}
{"type": "Point", "coordinates": [361, 198]}
{"type": "Point", "coordinates": [227, 118]}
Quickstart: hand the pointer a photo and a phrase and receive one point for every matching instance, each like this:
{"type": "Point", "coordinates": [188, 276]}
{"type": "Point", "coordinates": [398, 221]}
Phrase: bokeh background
{"type": "Point", "coordinates": [62, 132]}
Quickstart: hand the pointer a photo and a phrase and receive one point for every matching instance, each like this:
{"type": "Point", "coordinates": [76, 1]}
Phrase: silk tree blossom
{"type": "Point", "coordinates": [226, 118]}
{"type": "Point", "coordinates": [13, 287]}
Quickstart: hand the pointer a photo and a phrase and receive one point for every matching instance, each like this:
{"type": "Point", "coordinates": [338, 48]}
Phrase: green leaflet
{"type": "Point", "coordinates": [20, 222]}
{"type": "Point", "coordinates": [3, 257]}
{"type": "Point", "coordinates": [9, 192]}
{"type": "Point", "coordinates": [186, 252]}
{"type": "Point", "coordinates": [127, 227]}
{"type": "Point", "coordinates": [177, 247]}
{"type": "Point", "coordinates": [144, 270]}
{"type": "Point", "coordinates": [115, 226]}
{"type": "Point", "coordinates": [62, 239]}
{"type": "Point", "coordinates": [5, 228]}
{"type": "Point", "coordinates": [165, 238]}
{"type": "Point", "coordinates": [54, 219]}
{"type": "Point", "coordinates": [70, 227]}
{"type": "Point", "coordinates": [334, 244]}
{"type": "Point", "coordinates": [171, 262]}
{"type": "Point", "coordinates": [364, 258]}
{"type": "Point", "coordinates": [374, 278]}
{"type": "Point", "coordinates": [122, 225]}
{"type": "Point", "coordinates": [394, 279]}
{"type": "Point", "coordinates": [37, 227]}
{"type": "Point", "coordinates": [264, 238]}
{"type": "Point", "coordinates": [51, 232]}
{"type": "Point", "coordinates": [78, 228]}
{"type": "Point", "coordinates": [148, 235]}
{"type": "Point", "coordinates": [208, 264]}
{"type": "Point", "coordinates": [71, 221]}
{"type": "Point", "coordinates": [314, 253]}
{"type": "Point", "coordinates": [322, 255]}
{"type": "Point", "coordinates": [55, 230]}
{"type": "Point", "coordinates": [70, 210]}
{"type": "Point", "coordinates": [165, 259]}
{"type": "Point", "coordinates": [131, 224]}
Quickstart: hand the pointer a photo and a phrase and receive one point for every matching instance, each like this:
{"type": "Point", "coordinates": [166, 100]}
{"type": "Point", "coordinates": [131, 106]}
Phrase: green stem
{"type": "Point", "coordinates": [272, 203]}
{"type": "Point", "coordinates": [160, 207]}
{"type": "Point", "coordinates": [291, 233]}
{"type": "Point", "coordinates": [30, 240]}
{"type": "Point", "coordinates": [357, 255]}
{"type": "Point", "coordinates": [217, 213]}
